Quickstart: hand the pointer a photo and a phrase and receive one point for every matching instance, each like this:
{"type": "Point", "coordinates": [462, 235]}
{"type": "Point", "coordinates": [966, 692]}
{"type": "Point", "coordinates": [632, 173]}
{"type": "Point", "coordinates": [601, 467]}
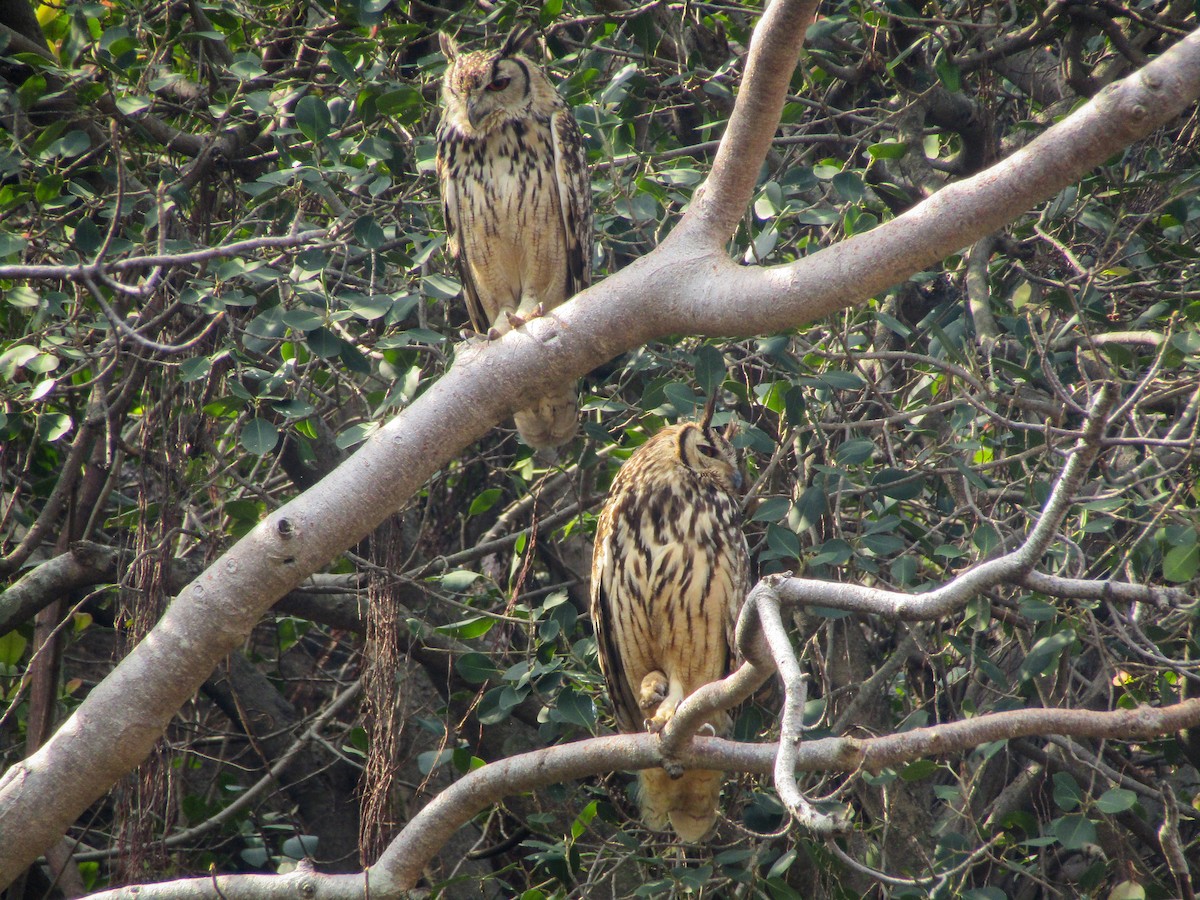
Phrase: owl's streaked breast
{"type": "Point", "coordinates": [509, 225]}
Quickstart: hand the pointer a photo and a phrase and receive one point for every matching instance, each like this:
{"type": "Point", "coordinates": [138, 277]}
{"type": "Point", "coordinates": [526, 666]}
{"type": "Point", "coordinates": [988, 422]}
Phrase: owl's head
{"type": "Point", "coordinates": [484, 89]}
{"type": "Point", "coordinates": [708, 453]}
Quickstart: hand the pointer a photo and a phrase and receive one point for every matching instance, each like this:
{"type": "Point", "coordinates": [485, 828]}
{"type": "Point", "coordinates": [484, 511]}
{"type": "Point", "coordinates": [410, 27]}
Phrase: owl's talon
{"type": "Point", "coordinates": [514, 320]}
{"type": "Point", "coordinates": [494, 334]}
{"type": "Point", "coordinates": [707, 730]}
{"type": "Point", "coordinates": [470, 334]}
{"type": "Point", "coordinates": [653, 691]}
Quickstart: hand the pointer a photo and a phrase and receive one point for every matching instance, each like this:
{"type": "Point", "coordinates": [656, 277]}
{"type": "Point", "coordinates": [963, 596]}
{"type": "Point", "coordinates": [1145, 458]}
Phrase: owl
{"type": "Point", "coordinates": [516, 196]}
{"type": "Point", "coordinates": [669, 573]}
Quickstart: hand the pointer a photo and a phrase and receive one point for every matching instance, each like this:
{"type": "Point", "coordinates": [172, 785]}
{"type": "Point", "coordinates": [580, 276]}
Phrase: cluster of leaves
{"type": "Point", "coordinates": [891, 445]}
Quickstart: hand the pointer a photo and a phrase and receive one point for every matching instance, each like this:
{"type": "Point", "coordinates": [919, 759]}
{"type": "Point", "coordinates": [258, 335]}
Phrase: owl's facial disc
{"type": "Point", "coordinates": [502, 89]}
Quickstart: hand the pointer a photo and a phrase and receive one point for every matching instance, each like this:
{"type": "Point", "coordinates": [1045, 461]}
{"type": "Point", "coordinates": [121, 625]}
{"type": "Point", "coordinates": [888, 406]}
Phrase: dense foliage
{"type": "Point", "coordinates": [159, 408]}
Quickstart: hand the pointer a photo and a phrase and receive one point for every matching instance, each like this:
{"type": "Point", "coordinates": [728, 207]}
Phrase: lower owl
{"type": "Point", "coordinates": [669, 574]}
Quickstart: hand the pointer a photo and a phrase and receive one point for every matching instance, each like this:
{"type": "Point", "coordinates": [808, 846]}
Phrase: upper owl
{"type": "Point", "coordinates": [516, 196]}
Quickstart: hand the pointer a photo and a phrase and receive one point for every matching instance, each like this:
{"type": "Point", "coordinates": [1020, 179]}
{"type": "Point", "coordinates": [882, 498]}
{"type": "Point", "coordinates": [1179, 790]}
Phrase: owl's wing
{"type": "Point", "coordinates": [449, 144]}
{"type": "Point", "coordinates": [574, 198]}
{"type": "Point", "coordinates": [739, 580]}
{"type": "Point", "coordinates": [607, 616]}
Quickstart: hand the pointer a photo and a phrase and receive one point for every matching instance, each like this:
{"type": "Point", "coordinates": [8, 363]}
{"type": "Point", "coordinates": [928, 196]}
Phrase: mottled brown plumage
{"type": "Point", "coordinates": [669, 573]}
{"type": "Point", "coordinates": [516, 195]}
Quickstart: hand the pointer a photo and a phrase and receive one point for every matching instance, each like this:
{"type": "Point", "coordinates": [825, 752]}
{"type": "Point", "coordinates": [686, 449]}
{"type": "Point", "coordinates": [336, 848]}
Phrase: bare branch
{"type": "Point", "coordinates": [83, 271]}
{"type": "Point", "coordinates": [402, 864]}
{"type": "Point", "coordinates": [1010, 567]}
{"type": "Point", "coordinates": [83, 566]}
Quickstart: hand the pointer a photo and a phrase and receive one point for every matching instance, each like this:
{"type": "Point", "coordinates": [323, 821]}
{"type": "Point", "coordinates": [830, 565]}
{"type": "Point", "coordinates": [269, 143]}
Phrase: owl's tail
{"type": "Point", "coordinates": [551, 421]}
{"type": "Point", "coordinates": [688, 803]}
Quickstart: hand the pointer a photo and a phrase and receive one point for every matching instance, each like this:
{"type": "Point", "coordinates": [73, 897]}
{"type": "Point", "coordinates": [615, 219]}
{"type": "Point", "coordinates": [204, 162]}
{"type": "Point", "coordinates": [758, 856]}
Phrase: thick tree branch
{"type": "Point", "coordinates": [401, 866]}
{"type": "Point", "coordinates": [678, 288]}
{"type": "Point", "coordinates": [83, 566]}
{"type": "Point", "coordinates": [774, 52]}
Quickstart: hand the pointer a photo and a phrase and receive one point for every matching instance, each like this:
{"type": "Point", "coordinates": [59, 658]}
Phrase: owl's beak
{"type": "Point", "coordinates": [477, 111]}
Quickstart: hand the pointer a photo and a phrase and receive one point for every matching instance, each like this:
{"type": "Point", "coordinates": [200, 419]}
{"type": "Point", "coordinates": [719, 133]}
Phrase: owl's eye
{"type": "Point", "coordinates": [499, 83]}
{"type": "Point", "coordinates": [708, 450]}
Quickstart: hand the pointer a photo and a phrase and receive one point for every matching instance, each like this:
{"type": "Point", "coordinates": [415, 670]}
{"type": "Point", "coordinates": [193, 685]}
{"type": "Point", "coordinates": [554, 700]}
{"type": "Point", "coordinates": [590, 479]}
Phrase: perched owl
{"type": "Point", "coordinates": [516, 195]}
{"type": "Point", "coordinates": [669, 573]}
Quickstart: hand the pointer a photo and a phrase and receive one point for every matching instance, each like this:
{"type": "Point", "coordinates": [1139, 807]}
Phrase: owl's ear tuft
{"type": "Point", "coordinates": [522, 39]}
{"type": "Point", "coordinates": [449, 46]}
{"type": "Point", "coordinates": [709, 408]}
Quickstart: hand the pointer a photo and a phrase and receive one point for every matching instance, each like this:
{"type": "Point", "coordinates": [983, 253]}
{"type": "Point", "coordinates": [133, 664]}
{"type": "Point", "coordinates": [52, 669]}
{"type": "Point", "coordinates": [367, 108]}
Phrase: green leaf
{"type": "Point", "coordinates": [459, 580]}
{"type": "Point", "coordinates": [73, 143]}
{"type": "Point", "coordinates": [52, 426]}
{"type": "Point", "coordinates": [947, 73]}
{"type": "Point", "coordinates": [11, 244]}
{"type": "Point", "coordinates": [772, 509]}
{"type": "Point", "coordinates": [1045, 654]}
{"type": "Point", "coordinates": [368, 233]}
{"type": "Point", "coordinates": [497, 705]}
{"type": "Point", "coordinates": [984, 893]}
{"type": "Point", "coordinates": [441, 287]}
{"type": "Point", "coordinates": [849, 186]}
{"type": "Point", "coordinates": [1067, 793]}
{"type": "Point", "coordinates": [1116, 800]}
{"type": "Point", "coordinates": [810, 507]}
{"type": "Point", "coordinates": [246, 66]}
{"type": "Point", "coordinates": [710, 369]}
{"type": "Point", "coordinates": [12, 647]}
{"type": "Point", "coordinates": [15, 358]}
{"type": "Point", "coordinates": [31, 90]}
{"type": "Point", "coordinates": [259, 436]}
{"type": "Point", "coordinates": [575, 708]}
{"type": "Point", "coordinates": [682, 398]}
{"type": "Point", "coordinates": [312, 118]}
{"type": "Point", "coordinates": [1181, 563]}
{"type": "Point", "coordinates": [834, 552]}
{"type": "Point", "coordinates": [484, 501]}
{"type": "Point", "coordinates": [783, 542]}
{"type": "Point", "coordinates": [130, 105]}
{"type": "Point", "coordinates": [918, 769]}
{"type": "Point", "coordinates": [431, 759]}
{"type": "Point", "coordinates": [1073, 832]}
{"type": "Point", "coordinates": [855, 451]}
{"type": "Point", "coordinates": [475, 667]}
{"type": "Point", "coordinates": [469, 628]}
{"type": "Point", "coordinates": [300, 846]}
{"type": "Point", "coordinates": [355, 434]}
{"type": "Point", "coordinates": [897, 484]}
{"type": "Point", "coordinates": [782, 864]}
{"type": "Point", "coordinates": [888, 150]}
{"type": "Point", "coordinates": [551, 10]}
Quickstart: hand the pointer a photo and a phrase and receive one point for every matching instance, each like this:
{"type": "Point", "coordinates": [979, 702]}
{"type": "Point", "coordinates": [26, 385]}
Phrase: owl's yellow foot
{"type": "Point", "coordinates": [653, 691]}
